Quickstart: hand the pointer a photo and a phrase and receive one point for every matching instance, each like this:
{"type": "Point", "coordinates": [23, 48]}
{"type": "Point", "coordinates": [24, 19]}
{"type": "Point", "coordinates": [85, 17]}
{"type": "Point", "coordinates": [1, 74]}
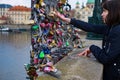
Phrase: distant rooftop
{"type": "Point", "coordinates": [91, 1]}
{"type": "Point", "coordinates": [19, 8]}
{"type": "Point", "coordinates": [5, 6]}
{"type": "Point", "coordinates": [77, 3]}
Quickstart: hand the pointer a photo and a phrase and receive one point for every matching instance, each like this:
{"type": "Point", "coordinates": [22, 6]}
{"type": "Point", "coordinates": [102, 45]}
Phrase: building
{"type": "Point", "coordinates": [3, 20]}
{"type": "Point", "coordinates": [90, 3]}
{"type": "Point", "coordinates": [77, 11]}
{"type": "Point", "coordinates": [84, 12]}
{"type": "Point", "coordinates": [19, 15]}
{"type": "Point", "coordinates": [3, 9]}
{"type": "Point", "coordinates": [3, 13]}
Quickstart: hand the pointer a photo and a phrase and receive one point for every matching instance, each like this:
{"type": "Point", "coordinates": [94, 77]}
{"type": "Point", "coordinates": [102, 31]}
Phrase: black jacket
{"type": "Point", "coordinates": [109, 55]}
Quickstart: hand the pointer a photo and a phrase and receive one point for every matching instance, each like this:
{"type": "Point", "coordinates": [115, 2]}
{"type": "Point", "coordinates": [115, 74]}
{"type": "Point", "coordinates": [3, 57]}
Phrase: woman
{"type": "Point", "coordinates": [109, 55]}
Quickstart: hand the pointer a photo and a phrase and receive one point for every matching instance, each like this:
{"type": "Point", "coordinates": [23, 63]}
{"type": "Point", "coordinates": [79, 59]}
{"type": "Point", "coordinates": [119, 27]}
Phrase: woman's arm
{"type": "Point", "coordinates": [100, 29]}
{"type": "Point", "coordinates": [88, 27]}
{"type": "Point", "coordinates": [113, 50]}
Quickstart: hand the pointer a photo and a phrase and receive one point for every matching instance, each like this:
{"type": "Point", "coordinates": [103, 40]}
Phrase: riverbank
{"type": "Point", "coordinates": [16, 28]}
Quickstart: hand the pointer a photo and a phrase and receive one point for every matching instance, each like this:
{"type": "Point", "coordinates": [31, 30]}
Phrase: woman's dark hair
{"type": "Point", "coordinates": [113, 7]}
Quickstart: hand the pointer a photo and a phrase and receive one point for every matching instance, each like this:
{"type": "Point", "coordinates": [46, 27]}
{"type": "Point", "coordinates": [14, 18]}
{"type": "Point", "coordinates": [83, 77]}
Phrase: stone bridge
{"type": "Point", "coordinates": [73, 67]}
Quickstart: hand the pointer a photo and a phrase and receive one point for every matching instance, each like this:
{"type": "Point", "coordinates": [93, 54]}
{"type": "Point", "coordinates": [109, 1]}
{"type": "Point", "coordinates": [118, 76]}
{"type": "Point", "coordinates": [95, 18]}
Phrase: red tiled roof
{"type": "Point", "coordinates": [19, 8]}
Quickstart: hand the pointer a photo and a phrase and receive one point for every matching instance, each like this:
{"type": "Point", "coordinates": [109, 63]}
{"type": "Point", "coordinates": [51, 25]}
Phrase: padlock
{"type": "Point", "coordinates": [36, 60]}
{"type": "Point", "coordinates": [49, 41]}
{"type": "Point", "coordinates": [63, 1]}
{"type": "Point", "coordinates": [35, 27]}
{"type": "Point", "coordinates": [53, 43]}
{"type": "Point", "coordinates": [38, 40]}
{"type": "Point", "coordinates": [46, 50]}
{"type": "Point", "coordinates": [60, 42]}
{"type": "Point", "coordinates": [59, 32]}
{"type": "Point", "coordinates": [45, 31]}
{"type": "Point", "coordinates": [48, 56]}
{"type": "Point", "coordinates": [37, 6]}
{"type": "Point", "coordinates": [27, 66]}
{"type": "Point", "coordinates": [49, 64]}
{"type": "Point", "coordinates": [41, 3]}
{"type": "Point", "coordinates": [41, 55]}
{"type": "Point", "coordinates": [67, 43]}
{"type": "Point", "coordinates": [51, 32]}
{"type": "Point", "coordinates": [47, 69]}
{"type": "Point", "coordinates": [32, 72]}
{"type": "Point", "coordinates": [32, 53]}
{"type": "Point", "coordinates": [42, 25]}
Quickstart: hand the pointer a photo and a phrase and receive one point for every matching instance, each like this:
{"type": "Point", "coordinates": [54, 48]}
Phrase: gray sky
{"type": "Point", "coordinates": [28, 2]}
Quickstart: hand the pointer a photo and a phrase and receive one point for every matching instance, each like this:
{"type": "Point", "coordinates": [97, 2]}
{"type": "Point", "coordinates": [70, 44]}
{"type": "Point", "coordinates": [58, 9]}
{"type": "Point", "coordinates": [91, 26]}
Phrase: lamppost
{"type": "Point", "coordinates": [96, 19]}
{"type": "Point", "coordinates": [32, 4]}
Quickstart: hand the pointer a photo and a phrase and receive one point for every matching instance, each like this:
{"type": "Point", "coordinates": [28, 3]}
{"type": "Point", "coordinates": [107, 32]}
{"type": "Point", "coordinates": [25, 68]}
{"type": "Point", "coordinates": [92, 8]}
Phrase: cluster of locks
{"type": "Point", "coordinates": [51, 39]}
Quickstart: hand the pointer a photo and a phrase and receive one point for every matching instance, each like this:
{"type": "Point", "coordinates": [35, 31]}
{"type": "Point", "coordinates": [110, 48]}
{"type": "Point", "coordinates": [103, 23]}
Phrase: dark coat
{"type": "Point", "coordinates": [109, 55]}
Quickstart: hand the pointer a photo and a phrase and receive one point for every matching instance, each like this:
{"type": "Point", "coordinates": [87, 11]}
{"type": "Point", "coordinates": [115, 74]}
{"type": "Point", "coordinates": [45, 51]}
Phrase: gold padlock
{"type": "Point", "coordinates": [41, 2]}
{"type": "Point", "coordinates": [38, 40]}
{"type": "Point", "coordinates": [63, 1]}
{"type": "Point", "coordinates": [53, 43]}
{"type": "Point", "coordinates": [37, 6]}
{"type": "Point", "coordinates": [32, 54]}
{"type": "Point", "coordinates": [51, 32]}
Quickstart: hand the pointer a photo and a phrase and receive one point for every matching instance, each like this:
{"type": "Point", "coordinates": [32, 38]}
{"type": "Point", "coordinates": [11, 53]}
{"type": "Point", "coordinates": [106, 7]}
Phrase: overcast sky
{"type": "Point", "coordinates": [28, 2]}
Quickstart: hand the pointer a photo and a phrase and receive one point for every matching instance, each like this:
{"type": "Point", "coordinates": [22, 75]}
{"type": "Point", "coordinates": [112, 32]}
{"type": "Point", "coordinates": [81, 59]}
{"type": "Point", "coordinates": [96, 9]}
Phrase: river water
{"type": "Point", "coordinates": [14, 53]}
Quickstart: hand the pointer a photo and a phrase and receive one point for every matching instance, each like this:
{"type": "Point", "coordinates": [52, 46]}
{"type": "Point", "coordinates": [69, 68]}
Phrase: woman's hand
{"type": "Point", "coordinates": [86, 52]}
{"type": "Point", "coordinates": [57, 14]}
{"type": "Point", "coordinates": [61, 16]}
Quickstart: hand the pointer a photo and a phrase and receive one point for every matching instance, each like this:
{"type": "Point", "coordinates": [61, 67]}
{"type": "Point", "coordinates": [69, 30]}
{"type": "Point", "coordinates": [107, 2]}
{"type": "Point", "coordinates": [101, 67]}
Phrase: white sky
{"type": "Point", "coordinates": [73, 2]}
{"type": "Point", "coordinates": [17, 2]}
{"type": "Point", "coordinates": [28, 2]}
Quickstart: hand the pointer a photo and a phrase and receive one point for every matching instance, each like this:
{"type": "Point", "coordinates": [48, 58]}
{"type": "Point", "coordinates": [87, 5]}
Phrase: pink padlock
{"type": "Point", "coordinates": [35, 60]}
{"type": "Point", "coordinates": [60, 42]}
{"type": "Point", "coordinates": [49, 41]}
{"type": "Point", "coordinates": [47, 69]}
{"type": "Point", "coordinates": [59, 32]}
{"type": "Point", "coordinates": [50, 25]}
{"type": "Point", "coordinates": [49, 64]}
{"type": "Point", "coordinates": [42, 25]}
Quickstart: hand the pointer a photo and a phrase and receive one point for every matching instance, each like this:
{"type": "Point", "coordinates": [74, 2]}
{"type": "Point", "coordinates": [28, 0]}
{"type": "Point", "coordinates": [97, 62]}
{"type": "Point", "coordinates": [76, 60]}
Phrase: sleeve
{"type": "Point", "coordinates": [112, 52]}
{"type": "Point", "coordinates": [99, 29]}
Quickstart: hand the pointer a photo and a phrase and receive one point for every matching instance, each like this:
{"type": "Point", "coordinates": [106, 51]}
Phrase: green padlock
{"type": "Point", "coordinates": [27, 66]}
{"type": "Point", "coordinates": [41, 55]}
{"type": "Point", "coordinates": [67, 43]}
{"type": "Point", "coordinates": [61, 10]}
{"type": "Point", "coordinates": [35, 27]}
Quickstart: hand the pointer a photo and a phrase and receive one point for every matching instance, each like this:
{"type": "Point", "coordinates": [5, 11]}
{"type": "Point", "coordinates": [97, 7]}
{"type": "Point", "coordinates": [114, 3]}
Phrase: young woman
{"type": "Point", "coordinates": [109, 54]}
